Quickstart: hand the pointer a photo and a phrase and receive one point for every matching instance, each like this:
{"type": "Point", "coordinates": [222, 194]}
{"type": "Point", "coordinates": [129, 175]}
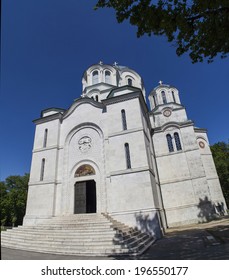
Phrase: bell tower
{"type": "Point", "coordinates": [165, 105]}
{"type": "Point", "coordinates": [188, 180]}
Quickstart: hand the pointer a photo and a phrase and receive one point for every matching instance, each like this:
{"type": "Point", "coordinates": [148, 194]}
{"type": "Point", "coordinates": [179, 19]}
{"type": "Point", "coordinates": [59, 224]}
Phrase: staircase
{"type": "Point", "coordinates": [82, 234]}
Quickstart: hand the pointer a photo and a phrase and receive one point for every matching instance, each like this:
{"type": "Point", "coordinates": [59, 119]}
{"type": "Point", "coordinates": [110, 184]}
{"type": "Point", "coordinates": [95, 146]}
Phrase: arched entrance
{"type": "Point", "coordinates": [85, 197]}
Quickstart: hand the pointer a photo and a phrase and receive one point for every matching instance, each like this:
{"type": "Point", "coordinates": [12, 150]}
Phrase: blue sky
{"type": "Point", "coordinates": [48, 44]}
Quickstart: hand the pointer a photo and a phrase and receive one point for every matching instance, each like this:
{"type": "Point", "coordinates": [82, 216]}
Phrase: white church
{"type": "Point", "coordinates": [110, 155]}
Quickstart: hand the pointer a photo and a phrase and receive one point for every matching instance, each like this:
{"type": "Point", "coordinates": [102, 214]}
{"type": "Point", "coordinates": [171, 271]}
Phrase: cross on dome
{"type": "Point", "coordinates": [115, 63]}
{"type": "Point", "coordinates": [160, 82]}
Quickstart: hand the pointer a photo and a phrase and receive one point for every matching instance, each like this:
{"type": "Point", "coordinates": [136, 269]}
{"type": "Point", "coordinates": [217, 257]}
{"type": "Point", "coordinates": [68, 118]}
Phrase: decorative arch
{"type": "Point", "coordinates": [130, 82]}
{"type": "Point", "coordinates": [163, 96]}
{"type": "Point", "coordinates": [81, 126]}
{"type": "Point", "coordinates": [83, 101]}
{"type": "Point", "coordinates": [170, 126]}
{"type": "Point", "coordinates": [107, 76]}
{"type": "Point", "coordinates": [177, 141]}
{"type": "Point", "coordinates": [202, 142]}
{"type": "Point", "coordinates": [169, 142]}
{"type": "Point", "coordinates": [84, 170]}
{"type": "Point", "coordinates": [201, 138]}
{"type": "Point", "coordinates": [95, 77]}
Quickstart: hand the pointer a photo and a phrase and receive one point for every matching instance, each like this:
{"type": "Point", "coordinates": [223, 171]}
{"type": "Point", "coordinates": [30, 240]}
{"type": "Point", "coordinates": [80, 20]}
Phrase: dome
{"type": "Point", "coordinates": [163, 94]}
{"type": "Point", "coordinates": [99, 79]}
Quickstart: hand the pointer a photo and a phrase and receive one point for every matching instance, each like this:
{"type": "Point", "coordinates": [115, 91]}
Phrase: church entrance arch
{"type": "Point", "coordinates": [85, 197]}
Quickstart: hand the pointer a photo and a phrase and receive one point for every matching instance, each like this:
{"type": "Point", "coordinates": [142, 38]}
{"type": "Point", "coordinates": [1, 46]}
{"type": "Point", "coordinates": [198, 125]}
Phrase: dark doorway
{"type": "Point", "coordinates": [85, 197]}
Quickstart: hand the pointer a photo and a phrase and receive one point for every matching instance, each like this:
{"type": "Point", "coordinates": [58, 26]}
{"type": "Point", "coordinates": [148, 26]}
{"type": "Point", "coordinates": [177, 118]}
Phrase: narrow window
{"type": "Point", "coordinates": [174, 99]}
{"type": "Point", "coordinates": [177, 141]}
{"type": "Point", "coordinates": [42, 169]}
{"type": "Point", "coordinates": [170, 142]}
{"type": "Point", "coordinates": [96, 98]}
{"type": "Point", "coordinates": [124, 123]}
{"type": "Point", "coordinates": [130, 82]}
{"type": "Point", "coordinates": [155, 100]}
{"type": "Point", "coordinates": [127, 152]}
{"type": "Point", "coordinates": [107, 77]}
{"type": "Point", "coordinates": [45, 138]}
{"type": "Point", "coordinates": [163, 97]}
{"type": "Point", "coordinates": [95, 77]}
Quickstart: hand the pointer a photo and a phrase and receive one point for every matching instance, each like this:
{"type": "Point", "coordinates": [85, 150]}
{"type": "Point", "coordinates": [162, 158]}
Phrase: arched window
{"type": "Point", "coordinates": [129, 82]}
{"type": "Point", "coordinates": [95, 77]}
{"type": "Point", "coordinates": [96, 98]}
{"type": "Point", "coordinates": [124, 123]}
{"type": "Point", "coordinates": [163, 97]}
{"type": "Point", "coordinates": [107, 77]}
{"type": "Point", "coordinates": [177, 141]}
{"type": "Point", "coordinates": [174, 99]}
{"type": "Point", "coordinates": [155, 100]}
{"type": "Point", "coordinates": [45, 138]}
{"type": "Point", "coordinates": [127, 152]}
{"type": "Point", "coordinates": [42, 169]}
{"type": "Point", "coordinates": [170, 142]}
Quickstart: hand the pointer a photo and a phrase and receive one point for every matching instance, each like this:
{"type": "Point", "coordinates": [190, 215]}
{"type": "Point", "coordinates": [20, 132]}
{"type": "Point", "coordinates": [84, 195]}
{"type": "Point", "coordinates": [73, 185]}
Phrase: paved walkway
{"type": "Point", "coordinates": [208, 241]}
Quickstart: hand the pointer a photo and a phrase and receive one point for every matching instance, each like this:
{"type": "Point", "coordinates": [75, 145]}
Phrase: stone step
{"type": "Point", "coordinates": [78, 235]}
{"type": "Point", "coordinates": [78, 220]}
{"type": "Point", "coordinates": [69, 234]}
{"type": "Point", "coordinates": [81, 217]}
{"type": "Point", "coordinates": [74, 234]}
{"type": "Point", "coordinates": [111, 239]}
{"type": "Point", "coordinates": [72, 227]}
{"type": "Point", "coordinates": [82, 226]}
{"type": "Point", "coordinates": [50, 237]}
{"type": "Point", "coordinates": [76, 249]}
{"type": "Point", "coordinates": [66, 243]}
{"type": "Point", "coordinates": [70, 251]}
{"type": "Point", "coordinates": [77, 223]}
{"type": "Point", "coordinates": [60, 228]}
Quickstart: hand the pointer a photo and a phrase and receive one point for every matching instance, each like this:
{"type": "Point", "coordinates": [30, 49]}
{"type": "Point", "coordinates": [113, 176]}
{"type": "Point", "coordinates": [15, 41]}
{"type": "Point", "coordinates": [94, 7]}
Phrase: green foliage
{"type": "Point", "coordinates": [220, 152]}
{"type": "Point", "coordinates": [13, 194]}
{"type": "Point", "coordinates": [199, 27]}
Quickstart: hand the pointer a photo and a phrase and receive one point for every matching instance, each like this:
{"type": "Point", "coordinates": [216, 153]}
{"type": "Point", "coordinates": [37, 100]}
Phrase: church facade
{"type": "Point", "coordinates": [109, 153]}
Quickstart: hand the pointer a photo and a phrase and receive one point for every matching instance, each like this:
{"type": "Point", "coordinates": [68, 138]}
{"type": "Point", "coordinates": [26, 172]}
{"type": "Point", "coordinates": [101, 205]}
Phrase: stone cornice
{"type": "Point", "coordinates": [158, 108]}
{"type": "Point", "coordinates": [123, 132]}
{"type": "Point", "coordinates": [45, 182]}
{"type": "Point", "coordinates": [58, 110]}
{"type": "Point", "coordinates": [127, 96]}
{"type": "Point", "coordinates": [172, 124]}
{"type": "Point", "coordinates": [170, 154]}
{"type": "Point", "coordinates": [92, 87]}
{"type": "Point", "coordinates": [181, 179]}
{"type": "Point", "coordinates": [55, 147]}
{"type": "Point", "coordinates": [118, 89]}
{"type": "Point", "coordinates": [57, 116]}
{"type": "Point", "coordinates": [62, 114]}
{"type": "Point", "coordinates": [129, 171]}
{"type": "Point", "coordinates": [197, 129]}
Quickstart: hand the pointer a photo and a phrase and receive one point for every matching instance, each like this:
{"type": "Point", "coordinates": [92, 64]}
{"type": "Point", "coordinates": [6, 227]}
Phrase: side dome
{"type": "Point", "coordinates": [99, 79]}
{"type": "Point", "coordinates": [163, 94]}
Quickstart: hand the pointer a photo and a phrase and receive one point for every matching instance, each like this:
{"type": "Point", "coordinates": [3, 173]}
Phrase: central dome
{"type": "Point", "coordinates": [99, 79]}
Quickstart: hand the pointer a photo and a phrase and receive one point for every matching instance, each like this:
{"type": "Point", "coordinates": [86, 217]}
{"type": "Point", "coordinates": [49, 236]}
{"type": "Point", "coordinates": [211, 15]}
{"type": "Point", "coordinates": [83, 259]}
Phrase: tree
{"type": "Point", "coordinates": [220, 152]}
{"type": "Point", "coordinates": [13, 193]}
{"type": "Point", "coordinates": [3, 203]}
{"type": "Point", "coordinates": [199, 27]}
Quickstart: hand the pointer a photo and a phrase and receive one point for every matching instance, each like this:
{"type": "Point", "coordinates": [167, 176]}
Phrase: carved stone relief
{"type": "Point", "coordinates": [85, 144]}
